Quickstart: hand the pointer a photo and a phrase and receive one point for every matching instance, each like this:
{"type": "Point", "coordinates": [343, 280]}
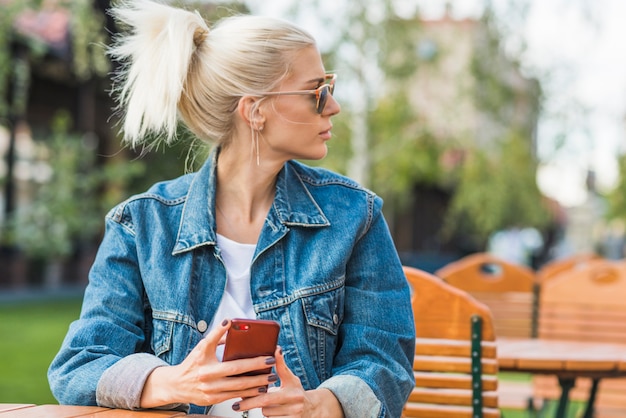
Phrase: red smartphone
{"type": "Point", "coordinates": [251, 338]}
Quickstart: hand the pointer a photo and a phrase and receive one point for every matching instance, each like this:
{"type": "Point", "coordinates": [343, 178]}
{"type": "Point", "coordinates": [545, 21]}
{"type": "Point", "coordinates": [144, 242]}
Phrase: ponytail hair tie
{"type": "Point", "coordinates": [199, 36]}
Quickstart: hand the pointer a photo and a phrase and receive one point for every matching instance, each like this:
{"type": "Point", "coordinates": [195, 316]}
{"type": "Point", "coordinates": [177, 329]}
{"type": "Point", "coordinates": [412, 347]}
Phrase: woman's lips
{"type": "Point", "coordinates": [326, 134]}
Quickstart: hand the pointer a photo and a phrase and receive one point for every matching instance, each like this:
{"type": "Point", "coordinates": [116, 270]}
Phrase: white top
{"type": "Point", "coordinates": [236, 303]}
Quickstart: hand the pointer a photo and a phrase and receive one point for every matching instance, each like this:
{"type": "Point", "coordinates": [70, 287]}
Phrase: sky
{"type": "Point", "coordinates": [577, 49]}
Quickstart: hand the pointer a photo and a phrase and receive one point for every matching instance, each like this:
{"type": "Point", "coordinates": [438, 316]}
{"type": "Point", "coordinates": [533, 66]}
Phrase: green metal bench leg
{"type": "Point", "coordinates": [592, 398]}
{"type": "Point", "coordinates": [566, 385]}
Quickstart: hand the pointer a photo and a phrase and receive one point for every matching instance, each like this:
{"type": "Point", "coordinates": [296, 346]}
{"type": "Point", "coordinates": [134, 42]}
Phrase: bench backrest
{"type": "Point", "coordinates": [509, 290]}
{"type": "Point", "coordinates": [455, 364]}
{"type": "Point", "coordinates": [585, 303]}
{"type": "Point", "coordinates": [555, 267]}
{"type": "Point", "coordinates": [581, 304]}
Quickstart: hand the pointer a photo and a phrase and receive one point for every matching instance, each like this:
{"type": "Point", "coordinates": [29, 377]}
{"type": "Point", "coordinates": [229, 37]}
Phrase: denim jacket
{"type": "Point", "coordinates": [325, 268]}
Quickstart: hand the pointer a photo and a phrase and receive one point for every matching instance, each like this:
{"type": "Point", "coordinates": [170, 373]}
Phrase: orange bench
{"type": "Point", "coordinates": [553, 268]}
{"type": "Point", "coordinates": [580, 304]}
{"type": "Point", "coordinates": [455, 364]}
{"type": "Point", "coordinates": [506, 288]}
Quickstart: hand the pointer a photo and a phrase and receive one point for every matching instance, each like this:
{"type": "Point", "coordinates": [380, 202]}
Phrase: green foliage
{"type": "Point", "coordinates": [68, 209]}
{"type": "Point", "coordinates": [7, 35]}
{"type": "Point", "coordinates": [165, 162]}
{"type": "Point", "coordinates": [88, 39]}
{"type": "Point", "coordinates": [399, 53]}
{"type": "Point", "coordinates": [403, 151]}
{"type": "Point", "coordinates": [497, 190]}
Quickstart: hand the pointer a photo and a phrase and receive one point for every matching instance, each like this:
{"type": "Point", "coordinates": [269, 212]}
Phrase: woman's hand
{"type": "Point", "coordinates": [291, 400]}
{"type": "Point", "coordinates": [202, 379]}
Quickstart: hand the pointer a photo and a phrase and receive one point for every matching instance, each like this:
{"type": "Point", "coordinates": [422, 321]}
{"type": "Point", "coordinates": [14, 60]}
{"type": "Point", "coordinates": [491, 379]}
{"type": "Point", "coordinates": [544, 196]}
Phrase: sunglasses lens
{"type": "Point", "coordinates": [323, 97]}
{"type": "Point", "coordinates": [321, 101]}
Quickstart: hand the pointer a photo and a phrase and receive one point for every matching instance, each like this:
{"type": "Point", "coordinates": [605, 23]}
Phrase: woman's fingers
{"type": "Point", "coordinates": [286, 400]}
{"type": "Point", "coordinates": [287, 378]}
{"type": "Point", "coordinates": [205, 351]}
{"type": "Point", "coordinates": [217, 335]}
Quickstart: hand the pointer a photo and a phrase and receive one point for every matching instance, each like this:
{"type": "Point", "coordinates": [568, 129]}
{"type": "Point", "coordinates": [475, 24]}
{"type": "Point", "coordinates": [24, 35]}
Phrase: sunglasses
{"type": "Point", "coordinates": [321, 93]}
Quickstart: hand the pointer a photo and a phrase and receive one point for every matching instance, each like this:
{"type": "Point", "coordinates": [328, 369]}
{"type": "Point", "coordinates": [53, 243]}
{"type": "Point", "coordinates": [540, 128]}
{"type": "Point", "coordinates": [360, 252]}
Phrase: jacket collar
{"type": "Point", "coordinates": [293, 205]}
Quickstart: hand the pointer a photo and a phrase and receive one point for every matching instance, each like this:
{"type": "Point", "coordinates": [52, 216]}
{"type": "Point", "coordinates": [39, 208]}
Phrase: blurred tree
{"type": "Point", "coordinates": [66, 211]}
{"type": "Point", "coordinates": [497, 190]}
{"type": "Point", "coordinates": [63, 207]}
{"type": "Point", "coordinates": [497, 186]}
{"type": "Point", "coordinates": [403, 152]}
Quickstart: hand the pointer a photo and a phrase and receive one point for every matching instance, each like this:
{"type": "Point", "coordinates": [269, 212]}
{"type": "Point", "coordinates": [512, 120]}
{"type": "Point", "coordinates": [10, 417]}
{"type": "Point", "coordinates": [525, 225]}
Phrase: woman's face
{"type": "Point", "coordinates": [293, 129]}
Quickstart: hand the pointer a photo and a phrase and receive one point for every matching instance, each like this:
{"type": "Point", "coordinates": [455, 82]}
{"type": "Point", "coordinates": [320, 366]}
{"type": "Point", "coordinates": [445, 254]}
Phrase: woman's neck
{"type": "Point", "coordinates": [244, 195]}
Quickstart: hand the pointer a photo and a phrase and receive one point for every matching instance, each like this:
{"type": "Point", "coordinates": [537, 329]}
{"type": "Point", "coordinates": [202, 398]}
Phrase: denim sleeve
{"type": "Point", "coordinates": [111, 326]}
{"type": "Point", "coordinates": [378, 328]}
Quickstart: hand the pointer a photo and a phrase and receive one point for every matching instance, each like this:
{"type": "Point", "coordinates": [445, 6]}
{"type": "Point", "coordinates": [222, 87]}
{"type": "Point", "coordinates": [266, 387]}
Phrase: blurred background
{"type": "Point", "coordinates": [485, 125]}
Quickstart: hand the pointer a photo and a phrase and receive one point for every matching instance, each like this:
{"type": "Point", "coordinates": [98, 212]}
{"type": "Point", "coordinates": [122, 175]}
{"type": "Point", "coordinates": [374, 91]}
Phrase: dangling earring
{"type": "Point", "coordinates": [256, 126]}
{"type": "Point", "coordinates": [256, 144]}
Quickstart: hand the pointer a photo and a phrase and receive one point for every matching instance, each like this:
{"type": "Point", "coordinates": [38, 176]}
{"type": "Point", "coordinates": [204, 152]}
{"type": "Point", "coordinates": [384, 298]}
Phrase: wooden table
{"type": "Point", "coordinates": [67, 411]}
{"type": "Point", "coordinates": [567, 360]}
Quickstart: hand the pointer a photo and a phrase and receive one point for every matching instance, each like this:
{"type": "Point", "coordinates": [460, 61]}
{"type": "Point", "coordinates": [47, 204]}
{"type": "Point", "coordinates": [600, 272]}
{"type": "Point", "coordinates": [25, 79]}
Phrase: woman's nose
{"type": "Point", "coordinates": [332, 106]}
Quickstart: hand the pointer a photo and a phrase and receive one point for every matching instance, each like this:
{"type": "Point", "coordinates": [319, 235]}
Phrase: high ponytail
{"type": "Point", "coordinates": [155, 58]}
{"type": "Point", "coordinates": [173, 66]}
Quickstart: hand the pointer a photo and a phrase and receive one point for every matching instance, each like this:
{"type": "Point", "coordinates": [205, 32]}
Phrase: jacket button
{"type": "Point", "coordinates": [202, 325]}
{"type": "Point", "coordinates": [335, 319]}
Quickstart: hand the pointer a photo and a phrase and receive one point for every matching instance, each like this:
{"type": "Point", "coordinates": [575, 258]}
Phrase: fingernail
{"type": "Point", "coordinates": [225, 322]}
{"type": "Point", "coordinates": [262, 389]}
{"type": "Point", "coordinates": [280, 350]}
{"type": "Point", "coordinates": [270, 360]}
{"type": "Point", "coordinates": [272, 378]}
{"type": "Point", "coordinates": [236, 406]}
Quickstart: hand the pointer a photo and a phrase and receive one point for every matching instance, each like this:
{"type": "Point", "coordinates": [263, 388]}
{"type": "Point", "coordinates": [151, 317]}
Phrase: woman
{"type": "Point", "coordinates": [252, 234]}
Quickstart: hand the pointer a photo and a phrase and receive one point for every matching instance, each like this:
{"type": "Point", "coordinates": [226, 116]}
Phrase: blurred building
{"type": "Point", "coordinates": [45, 79]}
{"type": "Point", "coordinates": [449, 84]}
{"type": "Point", "coordinates": [458, 73]}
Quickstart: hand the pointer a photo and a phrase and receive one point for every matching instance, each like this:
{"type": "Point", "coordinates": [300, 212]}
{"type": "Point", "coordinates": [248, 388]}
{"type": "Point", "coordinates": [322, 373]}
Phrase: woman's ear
{"type": "Point", "coordinates": [250, 111]}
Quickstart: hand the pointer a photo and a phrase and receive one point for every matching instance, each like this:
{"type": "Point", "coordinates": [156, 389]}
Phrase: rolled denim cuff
{"type": "Point", "coordinates": [121, 385]}
{"type": "Point", "coordinates": [355, 396]}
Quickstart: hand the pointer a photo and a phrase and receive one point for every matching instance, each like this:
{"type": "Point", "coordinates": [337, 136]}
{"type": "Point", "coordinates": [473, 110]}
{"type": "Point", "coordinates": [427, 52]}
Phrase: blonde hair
{"type": "Point", "coordinates": [174, 66]}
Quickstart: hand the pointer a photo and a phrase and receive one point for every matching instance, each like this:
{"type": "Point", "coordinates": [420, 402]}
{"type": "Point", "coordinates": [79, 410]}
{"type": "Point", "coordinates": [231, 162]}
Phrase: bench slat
{"type": "Point", "coordinates": [421, 410]}
{"type": "Point", "coordinates": [453, 380]}
{"type": "Point", "coordinates": [451, 397]}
